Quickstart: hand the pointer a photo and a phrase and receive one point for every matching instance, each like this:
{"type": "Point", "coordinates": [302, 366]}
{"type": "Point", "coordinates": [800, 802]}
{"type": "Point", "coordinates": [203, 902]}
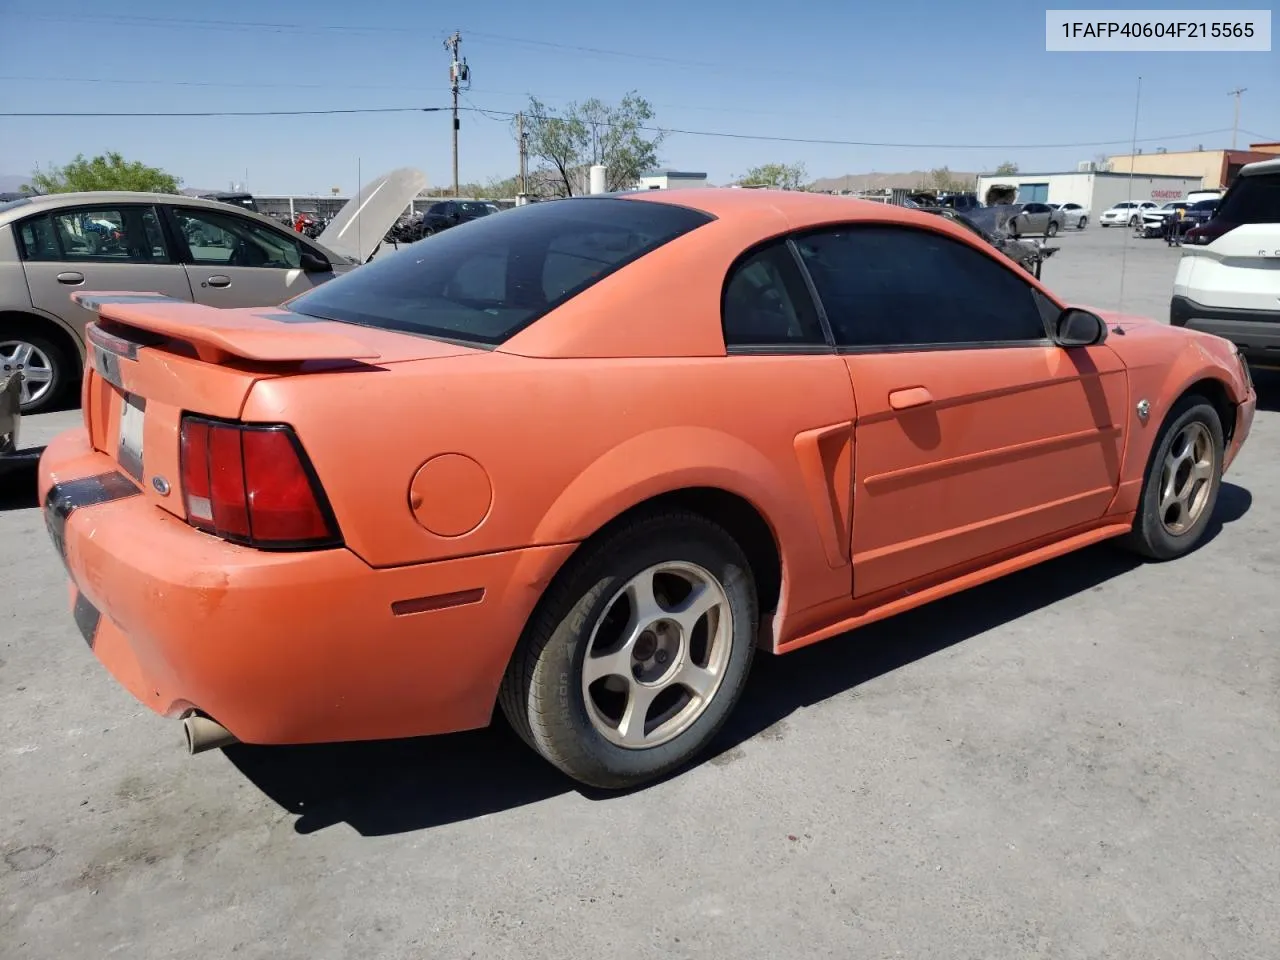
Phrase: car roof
{"type": "Point", "coordinates": [1261, 167]}
{"type": "Point", "coordinates": [799, 208]}
{"type": "Point", "coordinates": [57, 201]}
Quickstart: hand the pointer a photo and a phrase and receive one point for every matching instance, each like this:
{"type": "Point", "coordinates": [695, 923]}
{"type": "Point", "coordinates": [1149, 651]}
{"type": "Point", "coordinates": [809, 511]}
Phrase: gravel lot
{"type": "Point", "coordinates": [1082, 760]}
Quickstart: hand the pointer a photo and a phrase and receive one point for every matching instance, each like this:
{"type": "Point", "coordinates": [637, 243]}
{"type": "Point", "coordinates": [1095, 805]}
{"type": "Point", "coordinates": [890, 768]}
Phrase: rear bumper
{"type": "Point", "coordinates": [1255, 332]}
{"type": "Point", "coordinates": [281, 647]}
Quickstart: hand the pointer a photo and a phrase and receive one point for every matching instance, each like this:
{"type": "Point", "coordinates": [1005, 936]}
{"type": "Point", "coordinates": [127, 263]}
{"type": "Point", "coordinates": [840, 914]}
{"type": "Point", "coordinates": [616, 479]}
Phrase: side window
{"type": "Point", "coordinates": [220, 239]}
{"type": "Point", "coordinates": [766, 302]}
{"type": "Point", "coordinates": [36, 239]}
{"type": "Point", "coordinates": [96, 235]}
{"type": "Point", "coordinates": [901, 287]}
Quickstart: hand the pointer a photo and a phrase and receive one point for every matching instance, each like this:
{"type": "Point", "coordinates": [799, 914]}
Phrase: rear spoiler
{"type": "Point", "coordinates": [269, 335]}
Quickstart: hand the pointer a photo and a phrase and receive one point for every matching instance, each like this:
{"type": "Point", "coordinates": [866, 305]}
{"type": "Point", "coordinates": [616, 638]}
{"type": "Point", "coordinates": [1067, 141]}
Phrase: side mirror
{"type": "Point", "coordinates": [1079, 328]}
{"type": "Point", "coordinates": [314, 263]}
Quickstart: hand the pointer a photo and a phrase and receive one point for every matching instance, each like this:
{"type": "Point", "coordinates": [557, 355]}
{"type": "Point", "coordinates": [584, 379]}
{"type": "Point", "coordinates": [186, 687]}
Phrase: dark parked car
{"type": "Point", "coordinates": [450, 213]}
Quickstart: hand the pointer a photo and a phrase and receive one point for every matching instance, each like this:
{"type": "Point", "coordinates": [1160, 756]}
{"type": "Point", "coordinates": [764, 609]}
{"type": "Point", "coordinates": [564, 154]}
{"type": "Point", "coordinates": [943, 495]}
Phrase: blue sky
{"type": "Point", "coordinates": [910, 71]}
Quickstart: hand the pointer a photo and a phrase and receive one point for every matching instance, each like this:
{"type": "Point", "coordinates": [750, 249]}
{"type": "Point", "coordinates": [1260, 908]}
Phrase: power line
{"type": "Point", "coordinates": [266, 25]}
{"type": "Point", "coordinates": [506, 115]}
{"type": "Point", "coordinates": [159, 81]}
{"type": "Point", "coordinates": [224, 113]}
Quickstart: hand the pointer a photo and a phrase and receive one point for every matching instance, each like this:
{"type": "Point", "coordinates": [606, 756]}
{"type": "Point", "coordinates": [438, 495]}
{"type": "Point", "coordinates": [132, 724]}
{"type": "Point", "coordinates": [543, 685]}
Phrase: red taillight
{"type": "Point", "coordinates": [251, 484]}
{"type": "Point", "coordinates": [1207, 232]}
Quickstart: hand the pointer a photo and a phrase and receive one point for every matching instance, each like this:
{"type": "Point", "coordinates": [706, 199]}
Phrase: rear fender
{"type": "Point", "coordinates": [679, 458]}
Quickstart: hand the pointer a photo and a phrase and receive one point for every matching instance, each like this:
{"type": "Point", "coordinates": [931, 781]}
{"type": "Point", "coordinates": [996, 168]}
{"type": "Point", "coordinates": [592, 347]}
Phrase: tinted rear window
{"type": "Point", "coordinates": [1253, 199]}
{"type": "Point", "coordinates": [483, 281]}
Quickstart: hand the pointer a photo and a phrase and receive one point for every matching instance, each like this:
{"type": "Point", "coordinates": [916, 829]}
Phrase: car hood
{"type": "Point", "coordinates": [365, 219]}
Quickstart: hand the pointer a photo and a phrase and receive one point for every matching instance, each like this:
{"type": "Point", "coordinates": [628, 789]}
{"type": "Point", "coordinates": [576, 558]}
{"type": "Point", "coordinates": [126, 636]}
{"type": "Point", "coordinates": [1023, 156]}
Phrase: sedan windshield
{"type": "Point", "coordinates": [483, 281]}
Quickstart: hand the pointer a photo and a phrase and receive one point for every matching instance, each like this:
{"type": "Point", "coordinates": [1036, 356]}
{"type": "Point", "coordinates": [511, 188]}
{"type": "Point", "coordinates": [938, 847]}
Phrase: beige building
{"type": "Point", "coordinates": [1216, 168]}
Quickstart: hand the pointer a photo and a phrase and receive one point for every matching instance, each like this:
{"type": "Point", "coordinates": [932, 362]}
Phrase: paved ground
{"type": "Point", "coordinates": [1080, 761]}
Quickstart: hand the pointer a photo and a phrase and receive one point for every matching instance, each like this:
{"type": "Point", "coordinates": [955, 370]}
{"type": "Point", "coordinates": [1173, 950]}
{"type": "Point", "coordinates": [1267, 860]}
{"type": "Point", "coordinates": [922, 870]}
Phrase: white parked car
{"type": "Point", "coordinates": [1126, 213]}
{"type": "Point", "coordinates": [1073, 214]}
{"type": "Point", "coordinates": [1228, 280]}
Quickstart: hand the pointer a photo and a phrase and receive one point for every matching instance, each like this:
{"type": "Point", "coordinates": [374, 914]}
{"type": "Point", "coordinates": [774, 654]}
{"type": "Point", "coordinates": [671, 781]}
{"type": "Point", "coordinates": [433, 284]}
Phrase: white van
{"type": "Point", "coordinates": [1228, 279]}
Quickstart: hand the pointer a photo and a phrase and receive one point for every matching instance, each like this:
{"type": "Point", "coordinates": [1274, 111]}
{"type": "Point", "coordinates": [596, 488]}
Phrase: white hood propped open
{"type": "Point", "coordinates": [365, 219]}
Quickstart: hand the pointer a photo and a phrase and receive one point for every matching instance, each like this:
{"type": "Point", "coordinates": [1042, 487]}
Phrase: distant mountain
{"type": "Point", "coordinates": [13, 182]}
{"type": "Point", "coordinates": [883, 181]}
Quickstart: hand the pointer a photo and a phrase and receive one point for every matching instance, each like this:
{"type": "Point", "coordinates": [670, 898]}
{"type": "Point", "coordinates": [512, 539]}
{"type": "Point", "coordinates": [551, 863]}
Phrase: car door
{"type": "Point", "coordinates": [110, 246]}
{"type": "Point", "coordinates": [975, 433]}
{"type": "Point", "coordinates": [233, 261]}
{"type": "Point", "coordinates": [1037, 220]}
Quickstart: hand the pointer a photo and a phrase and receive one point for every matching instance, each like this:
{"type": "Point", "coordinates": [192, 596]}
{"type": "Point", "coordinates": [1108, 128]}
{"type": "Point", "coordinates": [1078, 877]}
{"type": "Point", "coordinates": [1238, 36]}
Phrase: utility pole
{"type": "Point", "coordinates": [522, 139]}
{"type": "Point", "coordinates": [459, 74]}
{"type": "Point", "coordinates": [1236, 125]}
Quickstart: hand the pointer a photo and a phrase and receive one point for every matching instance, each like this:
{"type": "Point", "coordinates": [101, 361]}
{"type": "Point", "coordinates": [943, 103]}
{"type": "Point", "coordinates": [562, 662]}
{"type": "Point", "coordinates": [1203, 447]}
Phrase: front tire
{"type": "Point", "coordinates": [1051, 230]}
{"type": "Point", "coordinates": [637, 654]}
{"type": "Point", "coordinates": [1181, 486]}
{"type": "Point", "coordinates": [1084, 222]}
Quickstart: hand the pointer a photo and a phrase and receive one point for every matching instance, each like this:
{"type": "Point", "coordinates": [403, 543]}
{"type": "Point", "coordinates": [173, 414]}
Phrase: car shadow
{"type": "Point", "coordinates": [1267, 383]}
{"type": "Point", "coordinates": [391, 787]}
{"type": "Point", "coordinates": [18, 489]}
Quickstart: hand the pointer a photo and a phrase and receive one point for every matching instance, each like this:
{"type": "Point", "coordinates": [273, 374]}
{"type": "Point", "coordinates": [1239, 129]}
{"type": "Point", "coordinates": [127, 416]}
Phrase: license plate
{"type": "Point", "coordinates": [132, 415]}
{"type": "Point", "coordinates": [107, 366]}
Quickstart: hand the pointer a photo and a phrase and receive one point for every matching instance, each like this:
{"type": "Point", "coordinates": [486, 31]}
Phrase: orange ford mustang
{"type": "Point", "coordinates": [582, 458]}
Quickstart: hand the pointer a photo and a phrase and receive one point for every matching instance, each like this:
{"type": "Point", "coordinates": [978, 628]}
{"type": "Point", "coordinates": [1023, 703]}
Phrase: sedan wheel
{"type": "Point", "coordinates": [637, 653]}
{"type": "Point", "coordinates": [38, 362]}
{"type": "Point", "coordinates": [1182, 482]}
{"type": "Point", "coordinates": [1052, 229]}
{"type": "Point", "coordinates": [1083, 222]}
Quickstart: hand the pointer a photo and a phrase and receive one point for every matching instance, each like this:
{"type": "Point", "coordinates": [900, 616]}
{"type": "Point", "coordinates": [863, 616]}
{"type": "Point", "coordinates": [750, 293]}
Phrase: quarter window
{"type": "Point", "coordinates": [903, 287]}
{"type": "Point", "coordinates": [218, 239]}
{"type": "Point", "coordinates": [766, 302]}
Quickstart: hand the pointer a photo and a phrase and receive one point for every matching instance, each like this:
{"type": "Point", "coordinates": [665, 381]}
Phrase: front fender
{"type": "Point", "coordinates": [1161, 371]}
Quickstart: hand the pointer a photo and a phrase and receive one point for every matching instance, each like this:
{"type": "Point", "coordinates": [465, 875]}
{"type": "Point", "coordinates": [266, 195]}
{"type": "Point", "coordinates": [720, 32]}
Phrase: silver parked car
{"type": "Point", "coordinates": [1073, 215]}
{"type": "Point", "coordinates": [205, 251]}
{"type": "Point", "coordinates": [1035, 218]}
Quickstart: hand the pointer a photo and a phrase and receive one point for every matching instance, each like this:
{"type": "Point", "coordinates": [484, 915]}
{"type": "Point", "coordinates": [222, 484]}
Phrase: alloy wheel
{"type": "Point", "coordinates": [1186, 478]}
{"type": "Point", "coordinates": [18, 356]}
{"type": "Point", "coordinates": [657, 655]}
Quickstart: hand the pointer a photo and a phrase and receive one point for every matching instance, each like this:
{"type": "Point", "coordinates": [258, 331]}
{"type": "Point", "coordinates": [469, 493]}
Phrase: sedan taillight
{"type": "Point", "coordinates": [253, 484]}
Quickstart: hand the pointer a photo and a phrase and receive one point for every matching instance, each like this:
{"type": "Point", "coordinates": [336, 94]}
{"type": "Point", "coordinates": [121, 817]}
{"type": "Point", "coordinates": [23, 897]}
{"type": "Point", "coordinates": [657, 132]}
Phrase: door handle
{"type": "Point", "coordinates": [71, 278]}
{"type": "Point", "coordinates": [909, 397]}
{"type": "Point", "coordinates": [217, 280]}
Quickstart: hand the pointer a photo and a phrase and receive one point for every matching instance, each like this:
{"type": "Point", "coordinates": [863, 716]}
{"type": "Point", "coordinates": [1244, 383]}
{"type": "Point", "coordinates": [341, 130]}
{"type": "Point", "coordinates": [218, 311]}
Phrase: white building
{"type": "Point", "coordinates": [1093, 189]}
{"type": "Point", "coordinates": [671, 180]}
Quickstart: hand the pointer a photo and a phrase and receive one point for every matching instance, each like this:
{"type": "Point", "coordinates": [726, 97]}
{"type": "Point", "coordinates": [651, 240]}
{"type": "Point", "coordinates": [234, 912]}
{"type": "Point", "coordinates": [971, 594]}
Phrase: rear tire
{"type": "Point", "coordinates": [581, 716]}
{"type": "Point", "coordinates": [1051, 230]}
{"type": "Point", "coordinates": [1084, 222]}
{"type": "Point", "coordinates": [1181, 486]}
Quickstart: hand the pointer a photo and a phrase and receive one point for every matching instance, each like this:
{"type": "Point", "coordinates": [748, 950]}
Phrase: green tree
{"type": "Point", "coordinates": [1007, 169]}
{"type": "Point", "coordinates": [618, 136]}
{"type": "Point", "coordinates": [107, 172]}
{"type": "Point", "coordinates": [781, 176]}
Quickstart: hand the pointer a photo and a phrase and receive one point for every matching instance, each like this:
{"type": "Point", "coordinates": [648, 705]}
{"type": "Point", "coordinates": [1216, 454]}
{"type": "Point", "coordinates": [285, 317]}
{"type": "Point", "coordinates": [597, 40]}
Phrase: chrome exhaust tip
{"type": "Point", "coordinates": [204, 734]}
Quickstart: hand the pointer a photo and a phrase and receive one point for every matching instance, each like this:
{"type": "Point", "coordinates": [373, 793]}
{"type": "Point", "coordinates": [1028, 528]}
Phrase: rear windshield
{"type": "Point", "coordinates": [1253, 199]}
{"type": "Point", "coordinates": [484, 280]}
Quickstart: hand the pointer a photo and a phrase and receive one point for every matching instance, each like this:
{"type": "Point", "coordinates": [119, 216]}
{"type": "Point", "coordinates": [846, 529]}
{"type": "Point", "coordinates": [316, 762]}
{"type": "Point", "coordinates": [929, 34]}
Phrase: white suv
{"type": "Point", "coordinates": [1228, 279]}
{"type": "Point", "coordinates": [1126, 213]}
